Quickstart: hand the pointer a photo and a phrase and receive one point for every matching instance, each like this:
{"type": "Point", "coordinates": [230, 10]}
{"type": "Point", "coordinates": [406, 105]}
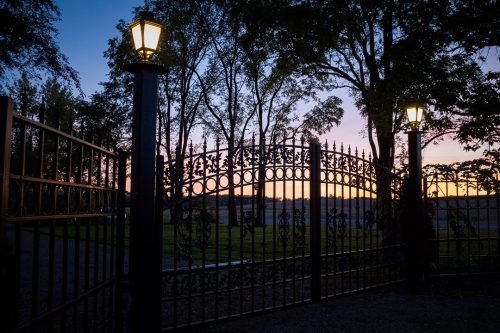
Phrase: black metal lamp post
{"type": "Point", "coordinates": [145, 240]}
{"type": "Point", "coordinates": [415, 213]}
{"type": "Point", "coordinates": [414, 114]}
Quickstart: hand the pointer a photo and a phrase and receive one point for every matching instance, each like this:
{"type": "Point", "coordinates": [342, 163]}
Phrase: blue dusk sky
{"type": "Point", "coordinates": [84, 31]}
{"type": "Point", "coordinates": [87, 25]}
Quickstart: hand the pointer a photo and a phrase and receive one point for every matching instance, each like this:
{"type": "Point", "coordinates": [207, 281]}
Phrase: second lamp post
{"type": "Point", "coordinates": [415, 205]}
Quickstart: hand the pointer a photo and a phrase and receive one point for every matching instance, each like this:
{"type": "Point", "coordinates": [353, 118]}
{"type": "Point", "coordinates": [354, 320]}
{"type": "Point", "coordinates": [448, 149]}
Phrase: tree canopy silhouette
{"type": "Point", "coordinates": [28, 39]}
{"type": "Point", "coordinates": [389, 52]}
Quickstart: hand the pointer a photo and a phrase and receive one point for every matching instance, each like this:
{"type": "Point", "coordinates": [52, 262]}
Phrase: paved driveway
{"type": "Point", "coordinates": [445, 306]}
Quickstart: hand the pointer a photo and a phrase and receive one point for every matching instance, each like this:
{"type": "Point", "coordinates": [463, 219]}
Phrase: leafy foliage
{"type": "Point", "coordinates": [105, 121]}
{"type": "Point", "coordinates": [28, 39]}
{"type": "Point", "coordinates": [388, 52]}
{"type": "Point", "coordinates": [60, 105]}
{"type": "Point", "coordinates": [480, 123]}
{"type": "Point", "coordinates": [26, 95]}
{"type": "Point", "coordinates": [474, 23]}
{"type": "Point", "coordinates": [482, 173]}
{"type": "Point", "coordinates": [322, 117]}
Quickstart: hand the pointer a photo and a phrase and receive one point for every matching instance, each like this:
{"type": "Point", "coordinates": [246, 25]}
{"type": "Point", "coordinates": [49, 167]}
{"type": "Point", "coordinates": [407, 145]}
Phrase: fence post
{"type": "Point", "coordinates": [120, 238]}
{"type": "Point", "coordinates": [8, 263]}
{"type": "Point", "coordinates": [6, 110]}
{"type": "Point", "coordinates": [315, 207]}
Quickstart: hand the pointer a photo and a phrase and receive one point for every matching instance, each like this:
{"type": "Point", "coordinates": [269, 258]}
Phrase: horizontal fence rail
{"type": "Point", "coordinates": [62, 228]}
{"type": "Point", "coordinates": [243, 232]}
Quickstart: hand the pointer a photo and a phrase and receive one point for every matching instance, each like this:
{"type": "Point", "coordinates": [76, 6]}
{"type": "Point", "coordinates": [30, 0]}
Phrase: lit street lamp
{"type": "Point", "coordinates": [146, 35]}
{"type": "Point", "coordinates": [145, 233]}
{"type": "Point", "coordinates": [414, 113]}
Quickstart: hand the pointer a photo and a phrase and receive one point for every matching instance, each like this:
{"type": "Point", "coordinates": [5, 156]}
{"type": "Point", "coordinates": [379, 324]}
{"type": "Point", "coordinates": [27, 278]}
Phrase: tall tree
{"type": "Point", "coordinates": [385, 53]}
{"type": "Point", "coordinates": [183, 53]}
{"type": "Point", "coordinates": [275, 85]}
{"type": "Point", "coordinates": [256, 86]}
{"type": "Point", "coordinates": [224, 96]}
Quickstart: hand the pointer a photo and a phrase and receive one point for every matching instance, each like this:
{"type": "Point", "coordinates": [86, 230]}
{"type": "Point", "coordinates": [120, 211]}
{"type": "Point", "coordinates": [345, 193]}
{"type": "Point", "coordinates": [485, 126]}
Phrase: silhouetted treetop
{"type": "Point", "coordinates": [28, 39]}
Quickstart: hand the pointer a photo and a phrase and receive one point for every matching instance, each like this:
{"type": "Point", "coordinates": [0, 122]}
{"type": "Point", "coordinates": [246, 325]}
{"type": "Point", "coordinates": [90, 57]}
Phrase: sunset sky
{"type": "Point", "coordinates": [86, 26]}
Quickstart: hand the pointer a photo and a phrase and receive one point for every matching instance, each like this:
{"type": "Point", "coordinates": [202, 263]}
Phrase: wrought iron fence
{"type": "Point", "coordinates": [283, 224]}
{"type": "Point", "coordinates": [464, 212]}
{"type": "Point", "coordinates": [258, 228]}
{"type": "Point", "coordinates": [62, 237]}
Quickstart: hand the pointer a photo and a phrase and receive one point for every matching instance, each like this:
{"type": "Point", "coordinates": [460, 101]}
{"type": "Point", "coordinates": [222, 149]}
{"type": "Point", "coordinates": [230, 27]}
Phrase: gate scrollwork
{"type": "Point", "coordinates": [284, 227]}
{"type": "Point", "coordinates": [299, 230]}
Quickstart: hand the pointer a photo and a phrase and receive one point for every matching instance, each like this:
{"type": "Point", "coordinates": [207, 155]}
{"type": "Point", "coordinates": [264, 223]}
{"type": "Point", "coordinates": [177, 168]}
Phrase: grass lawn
{"type": "Point", "coordinates": [271, 241]}
{"type": "Point", "coordinates": [224, 244]}
{"type": "Point", "coordinates": [227, 244]}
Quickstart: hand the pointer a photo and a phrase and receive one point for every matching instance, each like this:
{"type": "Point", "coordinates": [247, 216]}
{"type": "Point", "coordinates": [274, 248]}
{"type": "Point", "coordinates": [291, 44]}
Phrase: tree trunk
{"type": "Point", "coordinates": [177, 184]}
{"type": "Point", "coordinates": [384, 215]}
{"type": "Point", "coordinates": [261, 182]}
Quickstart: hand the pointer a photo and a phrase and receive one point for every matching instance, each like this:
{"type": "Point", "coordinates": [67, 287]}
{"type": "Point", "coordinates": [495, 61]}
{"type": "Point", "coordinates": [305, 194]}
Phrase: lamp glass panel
{"type": "Point", "coordinates": [418, 116]}
{"type": "Point", "coordinates": [151, 35]}
{"type": "Point", "coordinates": [411, 114]}
{"type": "Point", "coordinates": [136, 34]}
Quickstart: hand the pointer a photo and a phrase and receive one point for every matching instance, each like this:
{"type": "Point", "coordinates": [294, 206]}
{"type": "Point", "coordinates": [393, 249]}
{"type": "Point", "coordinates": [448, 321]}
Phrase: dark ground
{"type": "Point", "coordinates": [445, 305]}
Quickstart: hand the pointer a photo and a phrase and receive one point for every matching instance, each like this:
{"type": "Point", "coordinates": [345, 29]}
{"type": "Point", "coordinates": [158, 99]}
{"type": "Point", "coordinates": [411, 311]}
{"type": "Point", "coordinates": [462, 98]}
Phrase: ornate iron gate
{"type": "Point", "coordinates": [61, 236]}
{"type": "Point", "coordinates": [270, 226]}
